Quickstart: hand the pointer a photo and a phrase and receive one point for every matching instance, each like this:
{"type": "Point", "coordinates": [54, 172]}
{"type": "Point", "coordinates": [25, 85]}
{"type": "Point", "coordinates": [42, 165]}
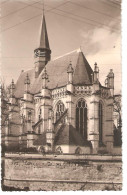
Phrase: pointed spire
{"type": "Point", "coordinates": [111, 74]}
{"type": "Point", "coordinates": [12, 88]}
{"type": "Point", "coordinates": [111, 81]}
{"type": "Point", "coordinates": [45, 75]}
{"type": "Point", "coordinates": [42, 54]}
{"type": "Point", "coordinates": [96, 69]}
{"type": "Point", "coordinates": [44, 42]}
{"type": "Point", "coordinates": [70, 72]}
{"type": "Point", "coordinates": [27, 83]}
{"type": "Point", "coordinates": [45, 79]}
{"type": "Point", "coordinates": [96, 73]}
{"type": "Point", "coordinates": [70, 68]}
{"type": "Point", "coordinates": [27, 80]}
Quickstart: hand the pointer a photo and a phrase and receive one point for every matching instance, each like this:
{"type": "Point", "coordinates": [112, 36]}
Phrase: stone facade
{"type": "Point", "coordinates": [51, 106]}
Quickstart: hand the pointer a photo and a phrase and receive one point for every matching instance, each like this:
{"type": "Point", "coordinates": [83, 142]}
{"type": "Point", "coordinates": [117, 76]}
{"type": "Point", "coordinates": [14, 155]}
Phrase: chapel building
{"type": "Point", "coordinates": [61, 104]}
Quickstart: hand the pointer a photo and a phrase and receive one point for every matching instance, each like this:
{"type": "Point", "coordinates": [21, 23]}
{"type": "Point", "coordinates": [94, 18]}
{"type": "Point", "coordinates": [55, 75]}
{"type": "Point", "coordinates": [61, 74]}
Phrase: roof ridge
{"type": "Point", "coordinates": [76, 50]}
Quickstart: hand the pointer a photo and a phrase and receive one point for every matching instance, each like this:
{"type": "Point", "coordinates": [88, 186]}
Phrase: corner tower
{"type": "Point", "coordinates": [43, 53]}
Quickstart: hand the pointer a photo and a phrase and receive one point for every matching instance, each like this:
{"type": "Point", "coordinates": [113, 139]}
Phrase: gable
{"type": "Point", "coordinates": [57, 74]}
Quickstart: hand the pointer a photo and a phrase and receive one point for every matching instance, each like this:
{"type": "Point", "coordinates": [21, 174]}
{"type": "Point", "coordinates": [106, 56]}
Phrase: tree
{"type": "Point", "coordinates": [118, 109]}
{"type": "Point", "coordinates": [118, 117]}
{"type": "Point", "coordinates": [4, 103]}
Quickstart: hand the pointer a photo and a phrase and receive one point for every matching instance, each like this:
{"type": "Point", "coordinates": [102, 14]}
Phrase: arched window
{"type": "Point", "coordinates": [81, 118]}
{"type": "Point", "coordinates": [100, 123]}
{"type": "Point", "coordinates": [60, 108]}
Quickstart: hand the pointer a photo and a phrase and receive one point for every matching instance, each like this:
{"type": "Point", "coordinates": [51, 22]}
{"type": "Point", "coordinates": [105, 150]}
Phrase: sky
{"type": "Point", "coordinates": [92, 25]}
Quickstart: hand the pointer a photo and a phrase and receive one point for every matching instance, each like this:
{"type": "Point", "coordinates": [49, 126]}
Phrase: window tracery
{"type": "Point", "coordinates": [81, 118]}
{"type": "Point", "coordinates": [60, 108]}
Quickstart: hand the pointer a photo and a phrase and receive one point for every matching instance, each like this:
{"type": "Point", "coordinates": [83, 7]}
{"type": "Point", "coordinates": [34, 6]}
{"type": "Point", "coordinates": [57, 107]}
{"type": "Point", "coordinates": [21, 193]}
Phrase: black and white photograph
{"type": "Point", "coordinates": [61, 95]}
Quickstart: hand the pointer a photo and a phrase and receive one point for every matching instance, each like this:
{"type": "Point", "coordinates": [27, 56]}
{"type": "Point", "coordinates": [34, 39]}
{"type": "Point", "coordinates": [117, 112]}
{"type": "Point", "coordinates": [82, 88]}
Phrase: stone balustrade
{"type": "Point", "coordinates": [85, 90]}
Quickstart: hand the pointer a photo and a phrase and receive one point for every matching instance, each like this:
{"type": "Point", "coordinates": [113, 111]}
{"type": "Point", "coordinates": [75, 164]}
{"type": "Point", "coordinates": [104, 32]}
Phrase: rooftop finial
{"type": "Point", "coordinates": [12, 81]}
{"type": "Point", "coordinates": [27, 80]}
{"type": "Point", "coordinates": [79, 49]}
{"type": "Point", "coordinates": [70, 68]}
{"type": "Point", "coordinates": [12, 87]}
{"type": "Point", "coordinates": [96, 69]}
{"type": "Point", "coordinates": [45, 75]}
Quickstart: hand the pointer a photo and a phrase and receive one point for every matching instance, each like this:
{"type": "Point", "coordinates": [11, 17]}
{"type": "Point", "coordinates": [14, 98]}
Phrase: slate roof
{"type": "Point", "coordinates": [69, 136]}
{"type": "Point", "coordinates": [19, 88]}
{"type": "Point", "coordinates": [57, 72]}
{"type": "Point", "coordinates": [41, 140]}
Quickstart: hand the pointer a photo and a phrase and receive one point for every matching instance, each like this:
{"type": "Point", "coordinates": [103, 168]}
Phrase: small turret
{"type": "Point", "coordinates": [111, 79]}
{"type": "Point", "coordinates": [96, 73]}
{"type": "Point", "coordinates": [12, 99]}
{"type": "Point", "coordinates": [12, 88]}
{"type": "Point", "coordinates": [45, 92]}
{"type": "Point", "coordinates": [27, 84]}
{"type": "Point", "coordinates": [45, 79]}
{"type": "Point", "coordinates": [106, 82]}
{"type": "Point", "coordinates": [70, 72]}
{"type": "Point", "coordinates": [110, 82]}
{"type": "Point", "coordinates": [95, 78]}
{"type": "Point", "coordinates": [27, 95]}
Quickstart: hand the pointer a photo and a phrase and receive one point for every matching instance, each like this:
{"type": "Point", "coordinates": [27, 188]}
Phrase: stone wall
{"type": "Point", "coordinates": [62, 174]}
{"type": "Point", "coordinates": [117, 150]}
{"type": "Point", "coordinates": [62, 186]}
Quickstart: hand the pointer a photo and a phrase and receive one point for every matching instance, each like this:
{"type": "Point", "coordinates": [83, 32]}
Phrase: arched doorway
{"type": "Point", "coordinates": [100, 123]}
{"type": "Point", "coordinates": [81, 118]}
{"type": "Point", "coordinates": [60, 108]}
